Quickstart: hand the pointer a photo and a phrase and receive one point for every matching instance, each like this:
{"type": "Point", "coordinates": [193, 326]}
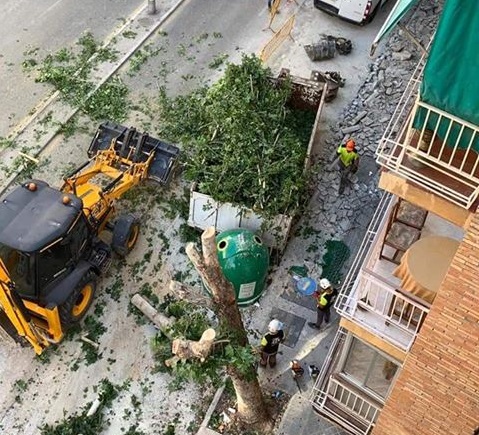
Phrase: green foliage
{"type": "Point", "coordinates": [76, 424]}
{"type": "Point", "coordinates": [189, 234]}
{"type": "Point", "coordinates": [19, 387]}
{"type": "Point", "coordinates": [242, 143]}
{"type": "Point", "coordinates": [161, 347]}
{"type": "Point", "coordinates": [69, 128]}
{"type": "Point", "coordinates": [80, 423]}
{"type": "Point", "coordinates": [206, 373]}
{"type": "Point", "coordinates": [191, 320]}
{"type": "Point", "coordinates": [6, 143]}
{"type": "Point", "coordinates": [218, 61]}
{"type": "Point", "coordinates": [141, 56]}
{"type": "Point", "coordinates": [108, 102]}
{"type": "Point", "coordinates": [133, 430]}
{"type": "Point", "coordinates": [146, 290]}
{"type": "Point", "coordinates": [242, 358]}
{"type": "Point", "coordinates": [94, 329]}
{"type": "Point", "coordinates": [69, 72]}
{"type": "Point", "coordinates": [177, 206]}
{"type": "Point", "coordinates": [129, 34]}
{"type": "Point", "coordinates": [116, 288]}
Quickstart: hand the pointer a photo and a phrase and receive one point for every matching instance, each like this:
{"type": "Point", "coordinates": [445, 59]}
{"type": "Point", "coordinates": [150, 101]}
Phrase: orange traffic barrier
{"type": "Point", "coordinates": [278, 38]}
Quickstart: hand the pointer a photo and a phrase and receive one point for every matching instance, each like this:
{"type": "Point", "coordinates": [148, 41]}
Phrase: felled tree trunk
{"type": "Point", "coordinates": [189, 349]}
{"type": "Point", "coordinates": [162, 322]}
{"type": "Point", "coordinates": [251, 405]}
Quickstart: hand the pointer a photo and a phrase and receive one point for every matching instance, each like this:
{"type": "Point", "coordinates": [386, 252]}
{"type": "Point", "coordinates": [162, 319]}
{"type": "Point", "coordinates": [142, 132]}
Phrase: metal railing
{"type": "Point", "coordinates": [339, 402]}
{"type": "Point", "coordinates": [364, 253]}
{"type": "Point", "coordinates": [383, 309]}
{"type": "Point", "coordinates": [371, 300]}
{"type": "Point", "coordinates": [416, 152]}
{"type": "Point", "coordinates": [359, 406]}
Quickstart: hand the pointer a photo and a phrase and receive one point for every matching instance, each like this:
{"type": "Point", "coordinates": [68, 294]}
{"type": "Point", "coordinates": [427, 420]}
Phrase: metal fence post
{"type": "Point", "coordinates": [151, 7]}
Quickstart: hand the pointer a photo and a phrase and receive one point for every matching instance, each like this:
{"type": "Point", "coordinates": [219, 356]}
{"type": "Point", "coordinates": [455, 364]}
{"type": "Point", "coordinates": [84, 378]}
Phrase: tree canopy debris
{"type": "Point", "coordinates": [243, 143]}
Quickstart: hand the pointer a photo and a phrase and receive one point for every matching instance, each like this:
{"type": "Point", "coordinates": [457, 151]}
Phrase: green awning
{"type": "Point", "coordinates": [399, 10]}
{"type": "Point", "coordinates": [450, 82]}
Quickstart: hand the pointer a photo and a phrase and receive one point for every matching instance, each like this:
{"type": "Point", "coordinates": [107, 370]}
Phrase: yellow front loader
{"type": "Point", "coordinates": [51, 254]}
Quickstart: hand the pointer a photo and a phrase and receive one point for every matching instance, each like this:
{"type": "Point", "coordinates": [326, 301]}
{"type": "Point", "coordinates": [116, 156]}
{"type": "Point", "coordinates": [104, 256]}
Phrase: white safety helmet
{"type": "Point", "coordinates": [274, 326]}
{"type": "Point", "coordinates": [324, 283]}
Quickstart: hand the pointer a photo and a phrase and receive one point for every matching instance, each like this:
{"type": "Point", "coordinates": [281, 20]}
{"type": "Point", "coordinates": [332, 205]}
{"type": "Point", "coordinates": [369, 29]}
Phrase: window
{"type": "Point", "coordinates": [51, 263]}
{"type": "Point", "coordinates": [18, 265]}
{"type": "Point", "coordinates": [369, 368]}
{"type": "Point", "coordinates": [78, 237]}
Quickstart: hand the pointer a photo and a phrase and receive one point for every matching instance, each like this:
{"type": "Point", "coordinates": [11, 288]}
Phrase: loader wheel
{"type": "Point", "coordinates": [77, 304]}
{"type": "Point", "coordinates": [125, 234]}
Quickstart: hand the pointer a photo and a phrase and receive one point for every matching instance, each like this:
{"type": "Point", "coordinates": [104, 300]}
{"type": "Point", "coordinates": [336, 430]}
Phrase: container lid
{"type": "Point", "coordinates": [306, 286]}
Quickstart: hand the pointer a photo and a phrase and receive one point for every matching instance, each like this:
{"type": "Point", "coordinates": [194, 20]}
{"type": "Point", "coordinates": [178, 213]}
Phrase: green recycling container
{"type": "Point", "coordinates": [244, 260]}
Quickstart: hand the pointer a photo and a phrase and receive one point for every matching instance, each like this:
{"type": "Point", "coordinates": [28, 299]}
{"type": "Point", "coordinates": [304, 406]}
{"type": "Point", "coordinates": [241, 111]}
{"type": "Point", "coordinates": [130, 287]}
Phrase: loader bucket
{"type": "Point", "coordinates": [137, 147]}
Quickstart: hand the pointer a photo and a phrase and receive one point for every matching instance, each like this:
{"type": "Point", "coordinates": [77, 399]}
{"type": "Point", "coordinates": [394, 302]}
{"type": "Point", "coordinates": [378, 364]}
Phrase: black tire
{"type": "Point", "coordinates": [125, 234]}
{"type": "Point", "coordinates": [371, 16]}
{"type": "Point", "coordinates": [79, 301]}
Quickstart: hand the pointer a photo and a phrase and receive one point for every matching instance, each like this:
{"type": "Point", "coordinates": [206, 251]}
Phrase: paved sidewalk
{"type": "Point", "coordinates": [300, 419]}
{"type": "Point", "coordinates": [305, 344]}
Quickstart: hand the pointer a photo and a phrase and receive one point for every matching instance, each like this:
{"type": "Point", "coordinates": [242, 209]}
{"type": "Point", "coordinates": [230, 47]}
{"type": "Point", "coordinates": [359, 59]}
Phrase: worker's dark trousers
{"type": "Point", "coordinates": [344, 171]}
{"type": "Point", "coordinates": [268, 358]}
{"type": "Point", "coordinates": [323, 314]}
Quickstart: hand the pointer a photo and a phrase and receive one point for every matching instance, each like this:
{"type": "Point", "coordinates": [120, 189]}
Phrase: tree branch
{"type": "Point", "coordinates": [162, 322]}
{"type": "Point", "coordinates": [190, 294]}
{"type": "Point", "coordinates": [209, 247]}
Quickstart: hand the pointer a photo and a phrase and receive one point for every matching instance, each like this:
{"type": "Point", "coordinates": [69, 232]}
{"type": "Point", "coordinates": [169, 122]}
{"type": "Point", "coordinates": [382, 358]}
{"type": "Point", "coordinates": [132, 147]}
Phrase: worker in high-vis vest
{"type": "Point", "coordinates": [324, 300]}
{"type": "Point", "coordinates": [348, 161]}
{"type": "Point", "coordinates": [270, 343]}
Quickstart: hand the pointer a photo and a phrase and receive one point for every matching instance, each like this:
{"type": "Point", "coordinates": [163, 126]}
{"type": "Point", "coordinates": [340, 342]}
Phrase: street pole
{"type": "Point", "coordinates": [151, 7]}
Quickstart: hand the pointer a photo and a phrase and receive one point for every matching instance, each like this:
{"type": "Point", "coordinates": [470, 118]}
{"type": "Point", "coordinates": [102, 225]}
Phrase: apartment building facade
{"type": "Point", "coordinates": [405, 359]}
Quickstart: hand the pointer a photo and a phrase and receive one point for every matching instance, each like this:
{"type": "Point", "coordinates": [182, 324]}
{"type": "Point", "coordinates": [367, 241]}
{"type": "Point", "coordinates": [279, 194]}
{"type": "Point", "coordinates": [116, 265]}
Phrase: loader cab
{"type": "Point", "coordinates": [43, 235]}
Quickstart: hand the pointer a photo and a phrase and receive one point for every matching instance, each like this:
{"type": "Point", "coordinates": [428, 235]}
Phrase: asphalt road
{"type": "Point", "coordinates": [199, 33]}
{"type": "Point", "coordinates": [48, 25]}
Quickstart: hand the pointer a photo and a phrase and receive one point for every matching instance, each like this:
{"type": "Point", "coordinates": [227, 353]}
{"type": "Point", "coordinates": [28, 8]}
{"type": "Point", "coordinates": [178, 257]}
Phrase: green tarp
{"type": "Point", "coordinates": [451, 75]}
{"type": "Point", "coordinates": [398, 11]}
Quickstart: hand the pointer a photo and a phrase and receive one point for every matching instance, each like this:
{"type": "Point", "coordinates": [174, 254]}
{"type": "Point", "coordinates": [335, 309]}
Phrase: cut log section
{"type": "Point", "coordinates": [189, 349]}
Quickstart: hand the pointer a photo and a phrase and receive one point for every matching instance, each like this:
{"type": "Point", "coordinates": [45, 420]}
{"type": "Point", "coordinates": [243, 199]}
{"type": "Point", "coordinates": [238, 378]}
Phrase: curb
{"type": "Point", "coordinates": [204, 430]}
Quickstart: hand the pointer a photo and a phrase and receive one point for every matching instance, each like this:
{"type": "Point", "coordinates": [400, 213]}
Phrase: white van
{"type": "Point", "coordinates": [356, 11]}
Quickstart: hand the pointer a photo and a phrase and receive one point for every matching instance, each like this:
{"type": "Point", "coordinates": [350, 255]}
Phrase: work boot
{"type": "Point", "coordinates": [313, 325]}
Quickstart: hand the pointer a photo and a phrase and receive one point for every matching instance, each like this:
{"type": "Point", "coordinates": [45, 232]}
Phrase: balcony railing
{"type": "Point", "coordinates": [339, 401]}
{"type": "Point", "coordinates": [386, 311]}
{"type": "Point", "coordinates": [364, 253]}
{"type": "Point", "coordinates": [371, 300]}
{"type": "Point", "coordinates": [432, 148]}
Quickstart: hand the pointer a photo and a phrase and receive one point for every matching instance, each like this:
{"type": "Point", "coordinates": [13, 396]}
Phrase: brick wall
{"type": "Point", "coordinates": [437, 392]}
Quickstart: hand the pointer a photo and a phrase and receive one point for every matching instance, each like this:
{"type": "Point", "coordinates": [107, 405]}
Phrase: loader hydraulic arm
{"type": "Point", "coordinates": [123, 169]}
{"type": "Point", "coordinates": [12, 305]}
